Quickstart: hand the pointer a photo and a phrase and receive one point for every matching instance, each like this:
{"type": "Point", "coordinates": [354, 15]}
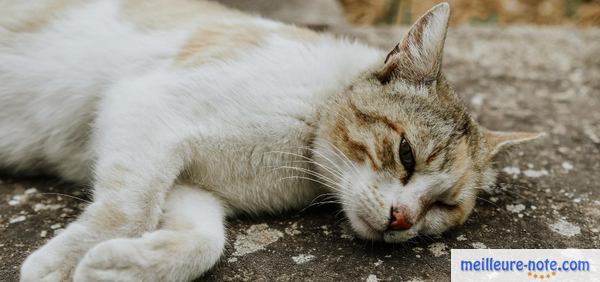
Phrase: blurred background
{"type": "Point", "coordinates": [582, 13]}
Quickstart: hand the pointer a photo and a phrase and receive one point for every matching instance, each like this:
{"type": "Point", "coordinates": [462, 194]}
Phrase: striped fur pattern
{"type": "Point", "coordinates": [181, 113]}
{"type": "Point", "coordinates": [409, 98]}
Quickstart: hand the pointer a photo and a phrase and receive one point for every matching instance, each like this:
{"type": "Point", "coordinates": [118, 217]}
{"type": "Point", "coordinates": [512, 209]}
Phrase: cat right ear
{"type": "Point", "coordinates": [499, 140]}
{"type": "Point", "coordinates": [418, 57]}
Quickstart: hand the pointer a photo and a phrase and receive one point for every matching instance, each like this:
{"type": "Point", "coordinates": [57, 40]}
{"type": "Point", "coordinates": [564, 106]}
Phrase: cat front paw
{"type": "Point", "coordinates": [45, 266]}
{"type": "Point", "coordinates": [114, 260]}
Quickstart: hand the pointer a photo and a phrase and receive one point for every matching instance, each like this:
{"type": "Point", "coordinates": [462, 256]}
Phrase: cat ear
{"type": "Point", "coordinates": [418, 57]}
{"type": "Point", "coordinates": [499, 140]}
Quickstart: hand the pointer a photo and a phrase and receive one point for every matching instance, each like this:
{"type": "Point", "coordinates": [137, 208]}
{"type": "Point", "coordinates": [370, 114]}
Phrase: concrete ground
{"type": "Point", "coordinates": [547, 196]}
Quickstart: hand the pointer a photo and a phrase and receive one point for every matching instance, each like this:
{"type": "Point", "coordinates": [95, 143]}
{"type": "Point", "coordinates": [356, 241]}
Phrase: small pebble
{"type": "Point", "coordinates": [477, 100]}
{"type": "Point", "coordinates": [438, 249]}
{"type": "Point", "coordinates": [515, 208]}
{"type": "Point", "coordinates": [19, 218]}
{"type": "Point", "coordinates": [31, 191]}
{"type": "Point", "coordinates": [535, 173]}
{"type": "Point", "coordinates": [567, 166]}
{"type": "Point", "coordinates": [565, 228]}
{"type": "Point", "coordinates": [300, 259]}
{"type": "Point", "coordinates": [512, 170]}
{"type": "Point", "coordinates": [479, 245]}
{"type": "Point", "coordinates": [231, 260]}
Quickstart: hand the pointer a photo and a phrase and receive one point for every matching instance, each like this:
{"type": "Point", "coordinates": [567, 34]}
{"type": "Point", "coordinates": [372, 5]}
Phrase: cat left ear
{"type": "Point", "coordinates": [418, 57]}
{"type": "Point", "coordinates": [500, 140]}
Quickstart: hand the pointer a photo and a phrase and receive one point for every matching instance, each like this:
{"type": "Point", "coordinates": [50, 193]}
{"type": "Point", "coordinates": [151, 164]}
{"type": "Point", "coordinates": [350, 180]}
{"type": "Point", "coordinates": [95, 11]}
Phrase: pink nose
{"type": "Point", "coordinates": [399, 220]}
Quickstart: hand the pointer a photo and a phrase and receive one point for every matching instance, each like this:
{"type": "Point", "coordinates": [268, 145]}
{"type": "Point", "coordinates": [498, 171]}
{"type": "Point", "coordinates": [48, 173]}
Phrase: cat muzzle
{"type": "Point", "coordinates": [399, 220]}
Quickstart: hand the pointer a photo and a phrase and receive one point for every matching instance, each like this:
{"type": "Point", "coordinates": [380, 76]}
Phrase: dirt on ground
{"type": "Point", "coordinates": [547, 194]}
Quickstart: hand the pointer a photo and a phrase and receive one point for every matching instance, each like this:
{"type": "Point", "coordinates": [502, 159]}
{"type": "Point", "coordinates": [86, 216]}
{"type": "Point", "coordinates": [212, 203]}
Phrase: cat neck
{"type": "Point", "coordinates": [332, 68]}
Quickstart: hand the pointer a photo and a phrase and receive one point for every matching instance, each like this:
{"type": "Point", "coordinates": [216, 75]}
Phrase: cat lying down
{"type": "Point", "coordinates": [183, 113]}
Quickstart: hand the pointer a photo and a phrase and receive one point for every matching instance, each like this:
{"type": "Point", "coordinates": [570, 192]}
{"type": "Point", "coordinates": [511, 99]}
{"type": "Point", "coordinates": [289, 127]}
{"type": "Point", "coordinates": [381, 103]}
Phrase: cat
{"type": "Point", "coordinates": [183, 113]}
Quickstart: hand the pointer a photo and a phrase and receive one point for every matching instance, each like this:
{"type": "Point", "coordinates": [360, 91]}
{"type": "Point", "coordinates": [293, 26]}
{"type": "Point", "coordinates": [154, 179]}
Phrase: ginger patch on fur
{"type": "Point", "coordinates": [23, 16]}
{"type": "Point", "coordinates": [218, 43]}
{"type": "Point", "coordinates": [151, 15]}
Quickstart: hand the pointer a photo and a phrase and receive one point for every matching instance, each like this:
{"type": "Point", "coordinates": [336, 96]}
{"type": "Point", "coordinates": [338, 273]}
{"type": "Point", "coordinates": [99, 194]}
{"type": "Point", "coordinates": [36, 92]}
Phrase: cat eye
{"type": "Point", "coordinates": [406, 157]}
{"type": "Point", "coordinates": [446, 204]}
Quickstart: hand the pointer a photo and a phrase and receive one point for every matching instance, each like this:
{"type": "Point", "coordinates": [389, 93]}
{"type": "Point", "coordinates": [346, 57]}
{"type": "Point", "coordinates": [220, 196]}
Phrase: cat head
{"type": "Point", "coordinates": [404, 155]}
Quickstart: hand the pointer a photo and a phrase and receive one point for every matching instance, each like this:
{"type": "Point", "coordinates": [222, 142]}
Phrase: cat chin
{"type": "Point", "coordinates": [366, 232]}
{"type": "Point", "coordinates": [399, 236]}
{"type": "Point", "coordinates": [363, 229]}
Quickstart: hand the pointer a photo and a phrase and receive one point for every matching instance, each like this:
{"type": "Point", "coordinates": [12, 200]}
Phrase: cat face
{"type": "Point", "coordinates": [404, 155]}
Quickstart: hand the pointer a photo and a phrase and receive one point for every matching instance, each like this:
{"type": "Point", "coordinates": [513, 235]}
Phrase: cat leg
{"type": "Point", "coordinates": [125, 205]}
{"type": "Point", "coordinates": [140, 154]}
{"type": "Point", "coordinates": [189, 242]}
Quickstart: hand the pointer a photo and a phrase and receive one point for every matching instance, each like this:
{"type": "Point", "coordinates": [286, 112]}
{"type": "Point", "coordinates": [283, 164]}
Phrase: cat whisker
{"type": "Point", "coordinates": [514, 193]}
{"type": "Point", "coordinates": [488, 201]}
{"type": "Point", "coordinates": [326, 196]}
{"type": "Point", "coordinates": [342, 221]}
{"type": "Point", "coordinates": [310, 172]}
{"type": "Point", "coordinates": [340, 153]}
{"type": "Point", "coordinates": [331, 170]}
{"type": "Point", "coordinates": [341, 157]}
{"type": "Point", "coordinates": [334, 172]}
{"type": "Point", "coordinates": [311, 179]}
{"type": "Point", "coordinates": [322, 155]}
{"type": "Point", "coordinates": [68, 196]}
{"type": "Point", "coordinates": [319, 204]}
{"type": "Point", "coordinates": [302, 169]}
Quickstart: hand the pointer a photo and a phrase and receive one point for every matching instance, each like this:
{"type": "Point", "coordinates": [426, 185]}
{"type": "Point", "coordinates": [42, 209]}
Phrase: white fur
{"type": "Point", "coordinates": [91, 91]}
{"type": "Point", "coordinates": [186, 245]}
{"type": "Point", "coordinates": [171, 151]}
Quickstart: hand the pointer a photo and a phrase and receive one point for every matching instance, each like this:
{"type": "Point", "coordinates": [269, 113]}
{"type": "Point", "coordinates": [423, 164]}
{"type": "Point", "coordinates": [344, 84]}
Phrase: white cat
{"type": "Point", "coordinates": [181, 113]}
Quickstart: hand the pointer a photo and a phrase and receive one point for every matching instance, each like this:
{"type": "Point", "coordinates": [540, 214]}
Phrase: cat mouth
{"type": "Point", "coordinates": [369, 230]}
{"type": "Point", "coordinates": [387, 235]}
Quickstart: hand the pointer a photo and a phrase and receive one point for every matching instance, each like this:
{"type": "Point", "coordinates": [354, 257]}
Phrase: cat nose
{"type": "Point", "coordinates": [399, 220]}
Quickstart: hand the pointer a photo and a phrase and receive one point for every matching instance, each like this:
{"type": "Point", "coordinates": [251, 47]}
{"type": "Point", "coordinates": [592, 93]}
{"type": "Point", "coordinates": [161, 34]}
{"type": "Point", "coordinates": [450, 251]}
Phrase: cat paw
{"type": "Point", "coordinates": [114, 260]}
{"type": "Point", "coordinates": [43, 265]}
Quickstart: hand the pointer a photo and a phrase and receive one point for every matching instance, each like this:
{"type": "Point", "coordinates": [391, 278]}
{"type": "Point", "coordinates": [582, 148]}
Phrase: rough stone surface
{"type": "Point", "coordinates": [518, 78]}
